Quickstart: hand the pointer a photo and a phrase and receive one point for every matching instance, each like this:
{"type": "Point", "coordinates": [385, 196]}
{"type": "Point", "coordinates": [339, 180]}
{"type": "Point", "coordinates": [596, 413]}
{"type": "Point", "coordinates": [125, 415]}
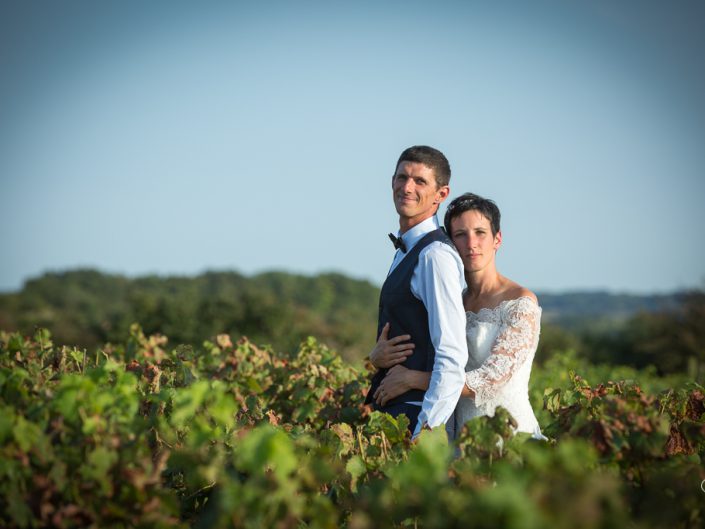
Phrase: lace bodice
{"type": "Point", "coordinates": [501, 345]}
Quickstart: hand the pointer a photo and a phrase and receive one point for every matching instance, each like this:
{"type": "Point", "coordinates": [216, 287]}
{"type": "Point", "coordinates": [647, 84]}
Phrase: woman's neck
{"type": "Point", "coordinates": [483, 282]}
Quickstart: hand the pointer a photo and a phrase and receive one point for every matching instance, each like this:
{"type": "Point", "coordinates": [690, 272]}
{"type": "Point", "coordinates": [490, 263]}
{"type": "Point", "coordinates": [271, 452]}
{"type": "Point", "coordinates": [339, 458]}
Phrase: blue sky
{"type": "Point", "coordinates": [174, 137]}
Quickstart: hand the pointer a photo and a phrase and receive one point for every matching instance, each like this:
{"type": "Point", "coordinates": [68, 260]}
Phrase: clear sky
{"type": "Point", "coordinates": [174, 138]}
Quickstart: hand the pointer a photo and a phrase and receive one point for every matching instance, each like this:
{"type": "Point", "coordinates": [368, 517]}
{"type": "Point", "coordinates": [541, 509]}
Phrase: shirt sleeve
{"type": "Point", "coordinates": [516, 341]}
{"type": "Point", "coordinates": [438, 281]}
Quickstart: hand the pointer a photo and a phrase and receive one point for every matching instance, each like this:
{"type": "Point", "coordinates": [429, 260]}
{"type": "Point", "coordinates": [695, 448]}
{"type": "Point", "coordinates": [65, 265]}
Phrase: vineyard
{"type": "Point", "coordinates": [142, 434]}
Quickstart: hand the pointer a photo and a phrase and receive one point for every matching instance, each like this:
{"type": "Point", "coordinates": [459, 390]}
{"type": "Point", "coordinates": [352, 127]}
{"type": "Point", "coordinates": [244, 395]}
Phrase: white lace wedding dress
{"type": "Point", "coordinates": [501, 346]}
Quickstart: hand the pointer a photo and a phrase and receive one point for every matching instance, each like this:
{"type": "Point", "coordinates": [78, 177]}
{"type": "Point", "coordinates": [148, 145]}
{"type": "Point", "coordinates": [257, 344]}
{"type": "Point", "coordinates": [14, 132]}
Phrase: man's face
{"type": "Point", "coordinates": [415, 192]}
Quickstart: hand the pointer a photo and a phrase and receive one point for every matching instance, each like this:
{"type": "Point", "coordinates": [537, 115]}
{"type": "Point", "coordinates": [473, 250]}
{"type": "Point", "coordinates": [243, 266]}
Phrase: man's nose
{"type": "Point", "coordinates": [409, 185]}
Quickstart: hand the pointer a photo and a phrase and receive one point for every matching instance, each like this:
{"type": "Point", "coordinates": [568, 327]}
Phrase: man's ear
{"type": "Point", "coordinates": [442, 194]}
{"type": "Point", "coordinates": [498, 240]}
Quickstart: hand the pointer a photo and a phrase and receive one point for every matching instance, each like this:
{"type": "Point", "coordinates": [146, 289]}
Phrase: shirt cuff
{"type": "Point", "coordinates": [417, 430]}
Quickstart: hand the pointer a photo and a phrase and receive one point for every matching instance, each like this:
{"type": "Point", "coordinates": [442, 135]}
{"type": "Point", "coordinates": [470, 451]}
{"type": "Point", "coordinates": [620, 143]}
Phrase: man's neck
{"type": "Point", "coordinates": [406, 223]}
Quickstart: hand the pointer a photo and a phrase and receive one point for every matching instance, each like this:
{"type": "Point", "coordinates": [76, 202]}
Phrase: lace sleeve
{"type": "Point", "coordinates": [516, 340]}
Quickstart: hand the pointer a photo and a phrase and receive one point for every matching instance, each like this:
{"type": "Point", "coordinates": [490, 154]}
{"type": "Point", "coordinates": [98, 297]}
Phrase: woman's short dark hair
{"type": "Point", "coordinates": [430, 157]}
{"type": "Point", "coordinates": [473, 202]}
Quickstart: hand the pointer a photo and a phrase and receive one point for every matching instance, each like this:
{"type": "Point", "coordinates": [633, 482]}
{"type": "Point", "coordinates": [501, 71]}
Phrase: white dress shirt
{"type": "Point", "coordinates": [438, 281]}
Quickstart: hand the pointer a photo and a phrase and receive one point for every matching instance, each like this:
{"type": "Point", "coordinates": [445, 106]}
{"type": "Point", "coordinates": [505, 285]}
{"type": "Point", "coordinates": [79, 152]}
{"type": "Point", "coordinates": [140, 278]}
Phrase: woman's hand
{"type": "Point", "coordinates": [390, 352]}
{"type": "Point", "coordinates": [399, 380]}
{"type": "Point", "coordinates": [467, 392]}
{"type": "Point", "coordinates": [393, 384]}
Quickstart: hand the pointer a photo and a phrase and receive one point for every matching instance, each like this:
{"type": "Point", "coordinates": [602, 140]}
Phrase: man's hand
{"type": "Point", "coordinates": [390, 352]}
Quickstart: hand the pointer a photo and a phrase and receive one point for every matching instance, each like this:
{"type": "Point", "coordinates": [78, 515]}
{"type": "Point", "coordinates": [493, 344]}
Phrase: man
{"type": "Point", "coordinates": [421, 299]}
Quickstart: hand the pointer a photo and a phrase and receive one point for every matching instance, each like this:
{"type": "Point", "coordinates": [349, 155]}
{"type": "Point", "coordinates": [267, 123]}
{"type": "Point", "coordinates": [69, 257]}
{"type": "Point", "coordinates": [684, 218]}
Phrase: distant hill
{"type": "Point", "coordinates": [578, 310]}
{"type": "Point", "coordinates": [88, 308]}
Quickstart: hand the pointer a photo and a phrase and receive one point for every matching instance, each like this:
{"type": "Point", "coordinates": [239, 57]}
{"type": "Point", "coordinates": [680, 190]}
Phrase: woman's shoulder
{"type": "Point", "coordinates": [510, 297]}
{"type": "Point", "coordinates": [513, 291]}
{"type": "Point", "coordinates": [520, 304]}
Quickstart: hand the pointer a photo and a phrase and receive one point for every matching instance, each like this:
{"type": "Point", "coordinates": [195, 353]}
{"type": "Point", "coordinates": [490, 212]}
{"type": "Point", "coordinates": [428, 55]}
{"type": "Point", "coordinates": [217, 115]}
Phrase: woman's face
{"type": "Point", "coordinates": [471, 234]}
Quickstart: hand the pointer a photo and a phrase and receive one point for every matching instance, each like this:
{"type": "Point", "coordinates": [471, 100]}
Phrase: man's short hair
{"type": "Point", "coordinates": [473, 202]}
{"type": "Point", "coordinates": [430, 157]}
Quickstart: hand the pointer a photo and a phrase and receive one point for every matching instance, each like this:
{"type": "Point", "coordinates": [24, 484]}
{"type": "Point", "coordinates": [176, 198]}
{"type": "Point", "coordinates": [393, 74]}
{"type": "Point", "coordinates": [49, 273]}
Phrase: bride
{"type": "Point", "coordinates": [503, 322]}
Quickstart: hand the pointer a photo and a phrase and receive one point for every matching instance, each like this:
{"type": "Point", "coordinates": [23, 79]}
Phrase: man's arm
{"type": "Point", "coordinates": [438, 282]}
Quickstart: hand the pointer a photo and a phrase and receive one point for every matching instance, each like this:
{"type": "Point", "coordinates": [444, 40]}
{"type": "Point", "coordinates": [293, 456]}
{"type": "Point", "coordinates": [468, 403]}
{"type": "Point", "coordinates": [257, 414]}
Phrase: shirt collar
{"type": "Point", "coordinates": [415, 234]}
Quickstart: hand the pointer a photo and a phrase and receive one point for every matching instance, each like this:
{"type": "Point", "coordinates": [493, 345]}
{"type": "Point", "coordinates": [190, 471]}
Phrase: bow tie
{"type": "Point", "coordinates": [398, 243]}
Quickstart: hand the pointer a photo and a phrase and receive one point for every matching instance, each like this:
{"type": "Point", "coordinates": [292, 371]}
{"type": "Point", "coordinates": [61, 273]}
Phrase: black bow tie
{"type": "Point", "coordinates": [398, 243]}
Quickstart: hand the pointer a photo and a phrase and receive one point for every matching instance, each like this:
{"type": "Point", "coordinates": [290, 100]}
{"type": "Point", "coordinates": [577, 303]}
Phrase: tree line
{"type": "Point", "coordinates": [88, 308]}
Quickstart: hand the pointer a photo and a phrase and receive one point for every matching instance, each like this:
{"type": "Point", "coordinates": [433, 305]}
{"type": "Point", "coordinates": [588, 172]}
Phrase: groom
{"type": "Point", "coordinates": [422, 295]}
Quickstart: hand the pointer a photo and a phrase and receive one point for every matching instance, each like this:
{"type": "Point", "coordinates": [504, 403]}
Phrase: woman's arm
{"type": "Point", "coordinates": [515, 342]}
{"type": "Point", "coordinates": [390, 352]}
{"type": "Point", "coordinates": [399, 380]}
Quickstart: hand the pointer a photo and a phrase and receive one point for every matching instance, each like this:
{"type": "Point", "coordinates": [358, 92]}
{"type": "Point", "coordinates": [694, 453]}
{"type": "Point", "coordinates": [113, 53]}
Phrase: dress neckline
{"type": "Point", "coordinates": [501, 304]}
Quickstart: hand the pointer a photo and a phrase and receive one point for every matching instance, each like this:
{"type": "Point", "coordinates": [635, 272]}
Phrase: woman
{"type": "Point", "coordinates": [503, 322]}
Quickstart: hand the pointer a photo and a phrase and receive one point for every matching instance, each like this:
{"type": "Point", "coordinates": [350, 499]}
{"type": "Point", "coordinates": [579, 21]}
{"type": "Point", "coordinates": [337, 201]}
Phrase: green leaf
{"type": "Point", "coordinates": [18, 509]}
{"type": "Point", "coordinates": [267, 448]}
{"type": "Point", "coordinates": [253, 385]}
{"type": "Point", "coordinates": [7, 418]}
{"type": "Point", "coordinates": [427, 466]}
{"type": "Point", "coordinates": [345, 436]}
{"type": "Point", "coordinates": [43, 337]}
{"type": "Point", "coordinates": [187, 401]}
{"type": "Point", "coordinates": [224, 410]}
{"type": "Point", "coordinates": [97, 468]}
{"type": "Point", "coordinates": [552, 399]}
{"type": "Point", "coordinates": [26, 433]}
{"type": "Point", "coordinates": [356, 468]}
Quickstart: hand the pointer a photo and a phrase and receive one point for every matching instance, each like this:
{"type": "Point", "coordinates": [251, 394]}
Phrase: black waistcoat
{"type": "Point", "coordinates": [407, 314]}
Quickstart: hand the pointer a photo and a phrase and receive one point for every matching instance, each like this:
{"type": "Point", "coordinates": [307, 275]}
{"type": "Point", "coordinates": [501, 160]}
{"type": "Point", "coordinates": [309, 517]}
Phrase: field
{"type": "Point", "coordinates": [229, 434]}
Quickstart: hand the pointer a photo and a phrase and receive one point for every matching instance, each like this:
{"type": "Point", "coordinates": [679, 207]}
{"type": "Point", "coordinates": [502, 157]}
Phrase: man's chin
{"type": "Point", "coordinates": [404, 210]}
